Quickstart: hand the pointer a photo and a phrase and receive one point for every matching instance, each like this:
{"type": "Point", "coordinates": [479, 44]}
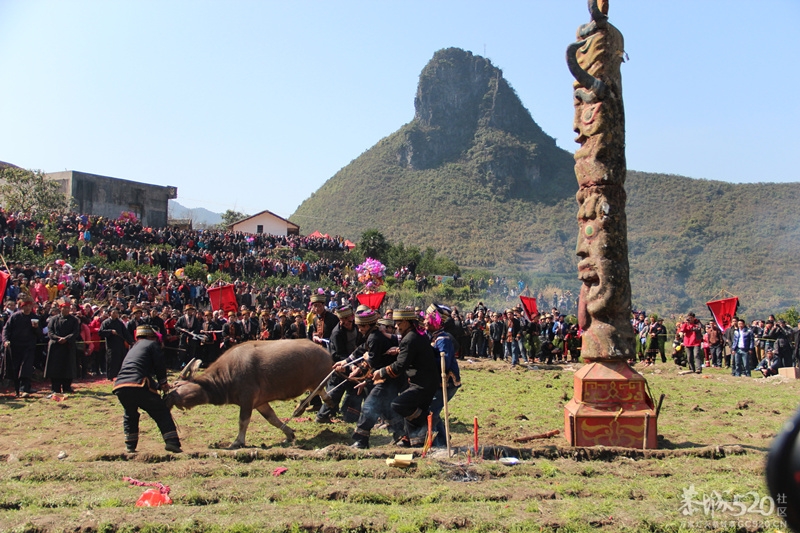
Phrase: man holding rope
{"type": "Point", "coordinates": [319, 330]}
{"type": "Point", "coordinates": [381, 352]}
{"type": "Point", "coordinates": [343, 341]}
{"type": "Point", "coordinates": [417, 359]}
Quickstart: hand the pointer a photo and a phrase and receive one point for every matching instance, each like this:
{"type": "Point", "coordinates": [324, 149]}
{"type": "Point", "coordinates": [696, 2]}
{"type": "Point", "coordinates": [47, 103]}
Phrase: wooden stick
{"type": "Point", "coordinates": [302, 407]}
{"type": "Point", "coordinates": [547, 435]}
{"type": "Point", "coordinates": [5, 265]}
{"type": "Point", "coordinates": [428, 436]}
{"type": "Point", "coordinates": [475, 435]}
{"type": "Point", "coordinates": [446, 410]}
{"type": "Point", "coordinates": [660, 401]}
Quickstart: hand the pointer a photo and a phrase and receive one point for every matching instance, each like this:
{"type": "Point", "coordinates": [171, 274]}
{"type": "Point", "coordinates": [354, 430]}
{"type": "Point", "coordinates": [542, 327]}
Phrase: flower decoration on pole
{"type": "Point", "coordinates": [371, 273]}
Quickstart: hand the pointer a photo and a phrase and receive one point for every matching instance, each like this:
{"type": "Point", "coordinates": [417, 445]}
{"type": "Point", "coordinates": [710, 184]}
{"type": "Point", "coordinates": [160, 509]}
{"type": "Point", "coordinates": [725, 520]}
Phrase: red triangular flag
{"type": "Point", "coordinates": [372, 300]}
{"type": "Point", "coordinates": [223, 298]}
{"type": "Point", "coordinates": [4, 277]}
{"type": "Point", "coordinates": [724, 311]}
{"type": "Point", "coordinates": [529, 304]}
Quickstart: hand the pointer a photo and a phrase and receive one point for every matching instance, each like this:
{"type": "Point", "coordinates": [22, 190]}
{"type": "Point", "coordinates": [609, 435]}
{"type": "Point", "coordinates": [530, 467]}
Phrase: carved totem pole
{"type": "Point", "coordinates": [611, 406]}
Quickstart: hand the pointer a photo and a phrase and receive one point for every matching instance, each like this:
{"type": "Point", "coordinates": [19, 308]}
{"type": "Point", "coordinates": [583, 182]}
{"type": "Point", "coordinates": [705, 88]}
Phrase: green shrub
{"type": "Point", "coordinates": [197, 272]}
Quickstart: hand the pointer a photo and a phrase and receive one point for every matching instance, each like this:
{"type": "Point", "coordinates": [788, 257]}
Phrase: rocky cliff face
{"type": "Point", "coordinates": [465, 109]}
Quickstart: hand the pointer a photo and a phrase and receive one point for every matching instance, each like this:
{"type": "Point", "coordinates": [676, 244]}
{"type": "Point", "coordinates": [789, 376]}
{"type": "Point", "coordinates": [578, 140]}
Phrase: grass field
{"type": "Point", "coordinates": [714, 430]}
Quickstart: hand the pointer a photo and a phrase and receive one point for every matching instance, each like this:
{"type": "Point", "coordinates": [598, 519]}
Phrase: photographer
{"type": "Point", "coordinates": [770, 364]}
{"type": "Point", "coordinates": [678, 353]}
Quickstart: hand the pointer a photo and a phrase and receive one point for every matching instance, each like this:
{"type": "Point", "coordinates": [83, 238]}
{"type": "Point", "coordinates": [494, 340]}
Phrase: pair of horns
{"type": "Point", "coordinates": [189, 370]}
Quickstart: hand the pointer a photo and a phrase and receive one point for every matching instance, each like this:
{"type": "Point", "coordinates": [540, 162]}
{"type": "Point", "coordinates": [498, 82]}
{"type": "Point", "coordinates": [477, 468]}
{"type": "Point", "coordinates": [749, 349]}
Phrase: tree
{"type": "Point", "coordinates": [31, 192]}
{"type": "Point", "coordinates": [230, 217]}
{"type": "Point", "coordinates": [791, 316]}
{"type": "Point", "coordinates": [437, 264]}
{"type": "Point", "coordinates": [399, 256]}
{"type": "Point", "coordinates": [373, 244]}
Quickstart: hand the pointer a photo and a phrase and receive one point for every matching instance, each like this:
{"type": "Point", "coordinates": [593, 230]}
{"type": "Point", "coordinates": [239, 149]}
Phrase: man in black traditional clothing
{"type": "Point", "coordinates": [153, 320]}
{"type": "Point", "coordinates": [324, 321]}
{"type": "Point", "coordinates": [189, 326]}
{"type": "Point", "coordinates": [117, 340]}
{"type": "Point", "coordinates": [64, 331]}
{"type": "Point", "coordinates": [212, 335]}
{"type": "Point", "coordinates": [232, 333]}
{"type": "Point", "coordinates": [381, 350]}
{"type": "Point", "coordinates": [249, 326]}
{"type": "Point", "coordinates": [136, 388]}
{"type": "Point", "coordinates": [344, 339]}
{"type": "Point", "coordinates": [135, 321]}
{"type": "Point", "coordinates": [319, 331]}
{"type": "Point", "coordinates": [20, 333]}
{"type": "Point", "coordinates": [420, 363]}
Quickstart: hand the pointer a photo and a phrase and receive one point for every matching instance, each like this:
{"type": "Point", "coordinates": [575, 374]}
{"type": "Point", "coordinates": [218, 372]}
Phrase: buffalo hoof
{"type": "Point", "coordinates": [236, 446]}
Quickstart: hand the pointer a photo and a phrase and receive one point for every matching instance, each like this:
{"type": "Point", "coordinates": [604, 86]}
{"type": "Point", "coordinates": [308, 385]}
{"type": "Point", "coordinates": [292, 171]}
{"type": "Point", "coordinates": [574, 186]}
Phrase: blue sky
{"type": "Point", "coordinates": [252, 105]}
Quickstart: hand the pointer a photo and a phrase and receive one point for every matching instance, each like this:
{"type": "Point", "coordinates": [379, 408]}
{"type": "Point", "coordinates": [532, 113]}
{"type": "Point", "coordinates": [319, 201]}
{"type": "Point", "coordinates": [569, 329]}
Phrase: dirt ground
{"type": "Point", "coordinates": [62, 463]}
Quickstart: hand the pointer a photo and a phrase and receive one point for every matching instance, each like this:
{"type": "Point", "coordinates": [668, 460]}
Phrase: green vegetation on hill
{"type": "Point", "coordinates": [691, 239]}
{"type": "Point", "coordinates": [474, 178]}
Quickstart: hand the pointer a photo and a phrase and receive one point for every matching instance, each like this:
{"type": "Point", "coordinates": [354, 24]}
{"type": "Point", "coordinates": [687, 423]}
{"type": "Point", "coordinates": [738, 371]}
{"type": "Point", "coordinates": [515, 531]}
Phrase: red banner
{"type": "Point", "coordinates": [4, 276]}
{"type": "Point", "coordinates": [724, 311]}
{"type": "Point", "coordinates": [372, 300]}
{"type": "Point", "coordinates": [223, 298]}
{"type": "Point", "coordinates": [529, 304]}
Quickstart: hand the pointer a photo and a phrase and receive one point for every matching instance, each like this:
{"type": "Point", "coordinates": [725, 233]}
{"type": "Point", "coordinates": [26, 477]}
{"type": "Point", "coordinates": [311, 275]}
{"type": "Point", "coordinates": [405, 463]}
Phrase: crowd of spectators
{"type": "Point", "coordinates": [765, 345]}
{"type": "Point", "coordinates": [93, 293]}
{"type": "Point", "coordinates": [84, 237]}
{"type": "Point", "coordinates": [162, 293]}
{"type": "Point", "coordinates": [65, 270]}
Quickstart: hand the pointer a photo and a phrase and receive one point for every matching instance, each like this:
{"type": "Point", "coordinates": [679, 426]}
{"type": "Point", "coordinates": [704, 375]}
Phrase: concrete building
{"type": "Point", "coordinates": [266, 222]}
{"type": "Point", "coordinates": [109, 197]}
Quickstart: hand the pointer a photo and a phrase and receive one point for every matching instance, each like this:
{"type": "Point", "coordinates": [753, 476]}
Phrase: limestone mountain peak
{"type": "Point", "coordinates": [465, 110]}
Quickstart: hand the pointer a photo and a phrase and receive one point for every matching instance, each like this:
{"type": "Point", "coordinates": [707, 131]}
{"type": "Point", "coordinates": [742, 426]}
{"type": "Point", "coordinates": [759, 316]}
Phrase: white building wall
{"type": "Point", "coordinates": [272, 225]}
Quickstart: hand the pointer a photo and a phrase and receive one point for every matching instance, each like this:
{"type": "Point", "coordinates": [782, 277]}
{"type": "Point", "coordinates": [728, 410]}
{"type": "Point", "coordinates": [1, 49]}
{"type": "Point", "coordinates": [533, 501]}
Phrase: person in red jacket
{"type": "Point", "coordinates": [97, 354]}
{"type": "Point", "coordinates": [692, 331]}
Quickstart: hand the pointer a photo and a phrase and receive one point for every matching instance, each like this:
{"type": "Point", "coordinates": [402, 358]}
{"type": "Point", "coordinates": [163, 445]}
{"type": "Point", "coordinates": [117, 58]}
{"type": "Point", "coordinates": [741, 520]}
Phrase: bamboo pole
{"type": "Point", "coordinates": [444, 397]}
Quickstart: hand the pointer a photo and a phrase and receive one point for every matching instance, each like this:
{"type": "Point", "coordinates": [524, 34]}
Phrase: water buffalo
{"type": "Point", "coordinates": [253, 374]}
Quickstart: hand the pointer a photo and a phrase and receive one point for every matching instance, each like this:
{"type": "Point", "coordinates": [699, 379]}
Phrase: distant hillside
{"type": "Point", "coordinates": [198, 215]}
{"type": "Point", "coordinates": [689, 239]}
{"type": "Point", "coordinates": [476, 178]}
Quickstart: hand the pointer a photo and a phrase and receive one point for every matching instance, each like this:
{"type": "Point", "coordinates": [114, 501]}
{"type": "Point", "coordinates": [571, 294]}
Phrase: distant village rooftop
{"type": "Point", "coordinates": [266, 222]}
